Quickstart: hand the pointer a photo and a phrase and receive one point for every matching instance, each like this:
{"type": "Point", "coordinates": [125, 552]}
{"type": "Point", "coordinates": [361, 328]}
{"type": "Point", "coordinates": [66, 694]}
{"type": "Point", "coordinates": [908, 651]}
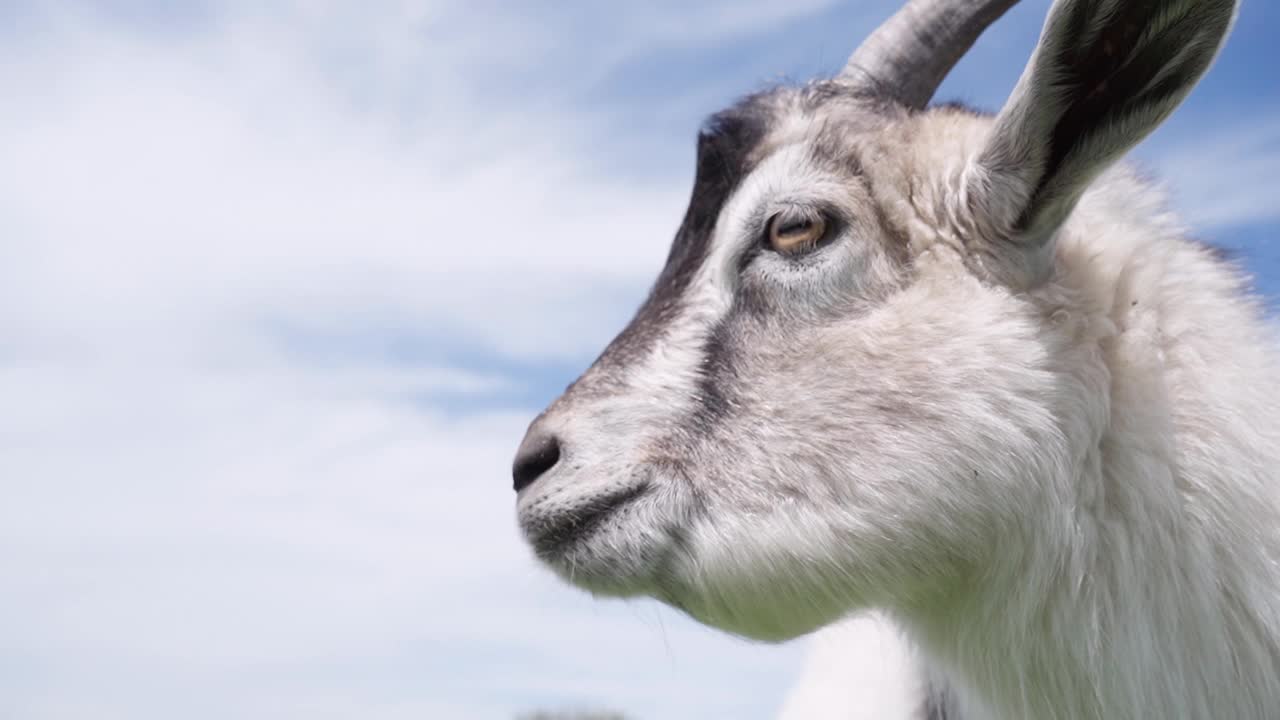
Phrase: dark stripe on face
{"type": "Point", "coordinates": [938, 703]}
{"type": "Point", "coordinates": [717, 377]}
{"type": "Point", "coordinates": [725, 148]}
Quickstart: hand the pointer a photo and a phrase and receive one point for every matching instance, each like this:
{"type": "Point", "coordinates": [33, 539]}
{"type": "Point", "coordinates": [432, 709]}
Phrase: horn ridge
{"type": "Point", "coordinates": [908, 56]}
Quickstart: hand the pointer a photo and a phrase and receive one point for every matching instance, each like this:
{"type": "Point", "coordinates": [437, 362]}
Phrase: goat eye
{"type": "Point", "coordinates": [792, 233]}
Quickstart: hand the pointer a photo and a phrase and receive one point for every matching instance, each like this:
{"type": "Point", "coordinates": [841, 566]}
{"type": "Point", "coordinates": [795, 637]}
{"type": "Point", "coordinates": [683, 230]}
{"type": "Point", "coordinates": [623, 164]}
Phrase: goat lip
{"type": "Point", "coordinates": [552, 538]}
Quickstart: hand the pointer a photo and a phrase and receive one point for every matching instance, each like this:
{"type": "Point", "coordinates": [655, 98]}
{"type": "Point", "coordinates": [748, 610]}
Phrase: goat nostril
{"type": "Point", "coordinates": [537, 454]}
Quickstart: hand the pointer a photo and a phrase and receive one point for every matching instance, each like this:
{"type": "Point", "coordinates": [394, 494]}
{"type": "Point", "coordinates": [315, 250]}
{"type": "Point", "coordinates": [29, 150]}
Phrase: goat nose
{"type": "Point", "coordinates": [539, 452]}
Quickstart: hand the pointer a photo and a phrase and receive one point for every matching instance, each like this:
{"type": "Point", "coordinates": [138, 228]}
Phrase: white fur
{"type": "Point", "coordinates": [1161, 598]}
{"type": "Point", "coordinates": [858, 669]}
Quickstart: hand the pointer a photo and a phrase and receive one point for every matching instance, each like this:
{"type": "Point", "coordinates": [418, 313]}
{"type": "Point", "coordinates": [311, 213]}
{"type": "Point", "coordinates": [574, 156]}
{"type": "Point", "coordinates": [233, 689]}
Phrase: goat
{"type": "Point", "coordinates": [961, 377]}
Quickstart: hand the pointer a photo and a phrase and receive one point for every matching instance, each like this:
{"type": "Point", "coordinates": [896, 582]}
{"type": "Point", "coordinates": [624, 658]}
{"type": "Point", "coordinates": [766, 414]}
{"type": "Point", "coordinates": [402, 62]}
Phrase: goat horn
{"type": "Point", "coordinates": [910, 54]}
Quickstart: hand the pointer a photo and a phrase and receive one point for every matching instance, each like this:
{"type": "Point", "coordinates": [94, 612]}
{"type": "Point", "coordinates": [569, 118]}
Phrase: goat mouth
{"type": "Point", "coordinates": [554, 536]}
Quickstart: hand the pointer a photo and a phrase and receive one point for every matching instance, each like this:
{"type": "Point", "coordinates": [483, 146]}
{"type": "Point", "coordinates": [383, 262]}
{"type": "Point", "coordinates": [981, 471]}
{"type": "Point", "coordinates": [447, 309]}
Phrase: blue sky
{"type": "Point", "coordinates": [283, 283]}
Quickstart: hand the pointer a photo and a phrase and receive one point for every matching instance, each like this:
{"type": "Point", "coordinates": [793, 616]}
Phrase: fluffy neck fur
{"type": "Point", "coordinates": [1155, 592]}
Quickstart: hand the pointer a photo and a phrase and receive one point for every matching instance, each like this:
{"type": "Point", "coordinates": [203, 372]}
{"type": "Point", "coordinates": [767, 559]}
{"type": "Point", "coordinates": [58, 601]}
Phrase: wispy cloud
{"type": "Point", "coordinates": [244, 455]}
{"type": "Point", "coordinates": [1228, 176]}
{"type": "Point", "coordinates": [231, 177]}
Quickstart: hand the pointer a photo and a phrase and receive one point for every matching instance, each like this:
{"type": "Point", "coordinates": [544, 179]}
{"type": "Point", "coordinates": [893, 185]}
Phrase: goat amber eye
{"type": "Point", "coordinates": [792, 233]}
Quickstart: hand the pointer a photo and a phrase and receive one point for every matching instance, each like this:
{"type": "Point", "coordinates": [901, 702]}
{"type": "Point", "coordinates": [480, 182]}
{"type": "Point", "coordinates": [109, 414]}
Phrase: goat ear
{"type": "Point", "coordinates": [1105, 74]}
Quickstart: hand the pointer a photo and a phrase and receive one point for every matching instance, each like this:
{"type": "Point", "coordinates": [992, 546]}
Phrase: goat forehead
{"type": "Point", "coordinates": [822, 118]}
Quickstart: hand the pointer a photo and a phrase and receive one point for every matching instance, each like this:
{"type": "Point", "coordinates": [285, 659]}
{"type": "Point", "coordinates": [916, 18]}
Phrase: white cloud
{"type": "Point", "coordinates": [1228, 177]}
{"type": "Point", "coordinates": [222, 183]}
{"type": "Point", "coordinates": [199, 503]}
{"type": "Point", "coordinates": [282, 540]}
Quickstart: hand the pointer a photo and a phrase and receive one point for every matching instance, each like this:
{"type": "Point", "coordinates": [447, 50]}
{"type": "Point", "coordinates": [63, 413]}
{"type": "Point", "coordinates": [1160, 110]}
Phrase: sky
{"type": "Point", "coordinates": [282, 283]}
